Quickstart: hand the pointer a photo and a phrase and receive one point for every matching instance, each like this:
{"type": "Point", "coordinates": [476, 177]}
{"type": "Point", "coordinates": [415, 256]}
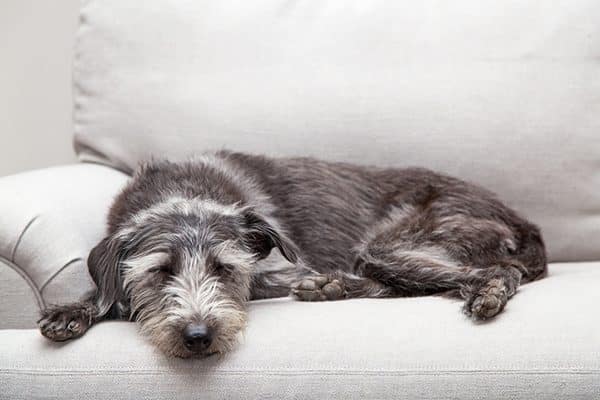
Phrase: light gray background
{"type": "Point", "coordinates": [36, 42]}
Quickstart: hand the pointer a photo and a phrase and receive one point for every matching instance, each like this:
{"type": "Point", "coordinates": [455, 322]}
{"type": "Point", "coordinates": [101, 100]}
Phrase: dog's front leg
{"type": "Point", "coordinates": [275, 277]}
{"type": "Point", "coordinates": [65, 322]}
{"type": "Point", "coordinates": [70, 321]}
{"type": "Point", "coordinates": [268, 284]}
{"type": "Point", "coordinates": [338, 285]}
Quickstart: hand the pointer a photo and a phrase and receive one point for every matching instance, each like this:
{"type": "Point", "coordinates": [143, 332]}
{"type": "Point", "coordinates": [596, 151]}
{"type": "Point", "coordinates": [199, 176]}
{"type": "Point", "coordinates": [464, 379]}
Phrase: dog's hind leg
{"type": "Point", "coordinates": [410, 257]}
{"type": "Point", "coordinates": [489, 289]}
{"type": "Point", "coordinates": [388, 274]}
{"type": "Point", "coordinates": [415, 273]}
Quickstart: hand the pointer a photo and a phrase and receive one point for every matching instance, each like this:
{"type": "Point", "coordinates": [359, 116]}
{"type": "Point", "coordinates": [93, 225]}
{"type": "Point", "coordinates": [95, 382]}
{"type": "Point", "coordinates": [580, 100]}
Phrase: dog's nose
{"type": "Point", "coordinates": [197, 337]}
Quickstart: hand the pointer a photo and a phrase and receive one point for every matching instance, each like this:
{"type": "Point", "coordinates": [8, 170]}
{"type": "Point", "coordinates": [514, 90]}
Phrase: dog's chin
{"type": "Point", "coordinates": [180, 351]}
{"type": "Point", "coordinates": [186, 354]}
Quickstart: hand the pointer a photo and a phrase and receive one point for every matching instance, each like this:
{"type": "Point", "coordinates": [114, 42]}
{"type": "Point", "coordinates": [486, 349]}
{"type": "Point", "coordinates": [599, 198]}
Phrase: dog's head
{"type": "Point", "coordinates": [183, 269]}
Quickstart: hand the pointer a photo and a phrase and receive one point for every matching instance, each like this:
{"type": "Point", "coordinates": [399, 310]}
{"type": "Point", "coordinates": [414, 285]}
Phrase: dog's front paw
{"type": "Point", "coordinates": [319, 288]}
{"type": "Point", "coordinates": [60, 323]}
{"type": "Point", "coordinates": [488, 301]}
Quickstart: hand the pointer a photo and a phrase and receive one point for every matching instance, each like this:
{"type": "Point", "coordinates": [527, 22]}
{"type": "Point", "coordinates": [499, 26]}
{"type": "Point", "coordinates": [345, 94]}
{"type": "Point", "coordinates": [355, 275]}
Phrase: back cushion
{"type": "Point", "coordinates": [504, 94]}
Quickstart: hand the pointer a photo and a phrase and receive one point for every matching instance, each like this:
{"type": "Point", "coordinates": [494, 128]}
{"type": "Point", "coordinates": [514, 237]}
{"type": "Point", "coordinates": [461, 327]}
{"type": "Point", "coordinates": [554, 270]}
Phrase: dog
{"type": "Point", "coordinates": [188, 242]}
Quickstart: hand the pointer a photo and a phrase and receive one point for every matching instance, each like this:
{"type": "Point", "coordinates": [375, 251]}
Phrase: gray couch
{"type": "Point", "coordinates": [505, 94]}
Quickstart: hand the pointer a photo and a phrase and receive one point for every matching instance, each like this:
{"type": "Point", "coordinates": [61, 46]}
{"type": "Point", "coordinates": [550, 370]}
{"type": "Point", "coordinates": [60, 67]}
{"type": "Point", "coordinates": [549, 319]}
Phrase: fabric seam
{"type": "Point", "coordinates": [13, 254]}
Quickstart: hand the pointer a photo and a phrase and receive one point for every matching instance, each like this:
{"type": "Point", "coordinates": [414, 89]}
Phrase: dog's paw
{"type": "Point", "coordinates": [319, 288]}
{"type": "Point", "coordinates": [60, 323]}
{"type": "Point", "coordinates": [488, 301]}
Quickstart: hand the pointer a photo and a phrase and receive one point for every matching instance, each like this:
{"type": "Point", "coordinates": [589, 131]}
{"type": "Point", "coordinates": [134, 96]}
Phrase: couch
{"type": "Point", "coordinates": [504, 94]}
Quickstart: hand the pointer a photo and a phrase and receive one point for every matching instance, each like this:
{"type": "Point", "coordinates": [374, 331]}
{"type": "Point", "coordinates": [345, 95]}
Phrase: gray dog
{"type": "Point", "coordinates": [185, 242]}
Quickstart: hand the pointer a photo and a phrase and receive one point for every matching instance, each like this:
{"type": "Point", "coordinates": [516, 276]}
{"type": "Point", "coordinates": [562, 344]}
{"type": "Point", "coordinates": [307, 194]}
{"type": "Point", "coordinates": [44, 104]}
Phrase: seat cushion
{"type": "Point", "coordinates": [506, 94]}
{"type": "Point", "coordinates": [544, 346]}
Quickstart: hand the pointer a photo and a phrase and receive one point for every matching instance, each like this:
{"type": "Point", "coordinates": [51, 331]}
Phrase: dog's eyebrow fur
{"type": "Point", "coordinates": [147, 261]}
{"type": "Point", "coordinates": [140, 265]}
{"type": "Point", "coordinates": [179, 205]}
{"type": "Point", "coordinates": [227, 252]}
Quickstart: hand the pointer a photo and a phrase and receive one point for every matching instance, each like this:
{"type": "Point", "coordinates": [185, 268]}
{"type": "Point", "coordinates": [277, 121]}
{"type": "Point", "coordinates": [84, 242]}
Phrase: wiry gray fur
{"type": "Point", "coordinates": [187, 244]}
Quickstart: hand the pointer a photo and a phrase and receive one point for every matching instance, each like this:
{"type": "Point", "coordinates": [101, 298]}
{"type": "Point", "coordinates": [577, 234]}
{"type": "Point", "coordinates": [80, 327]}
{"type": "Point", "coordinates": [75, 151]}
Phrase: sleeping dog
{"type": "Point", "coordinates": [187, 245]}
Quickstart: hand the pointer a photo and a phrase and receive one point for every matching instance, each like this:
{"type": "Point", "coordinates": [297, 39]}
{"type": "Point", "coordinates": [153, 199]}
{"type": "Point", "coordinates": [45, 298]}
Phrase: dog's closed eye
{"type": "Point", "coordinates": [164, 269]}
{"type": "Point", "coordinates": [220, 268]}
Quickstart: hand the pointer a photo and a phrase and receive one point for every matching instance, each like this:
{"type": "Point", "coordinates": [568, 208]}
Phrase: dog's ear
{"type": "Point", "coordinates": [261, 236]}
{"type": "Point", "coordinates": [104, 267]}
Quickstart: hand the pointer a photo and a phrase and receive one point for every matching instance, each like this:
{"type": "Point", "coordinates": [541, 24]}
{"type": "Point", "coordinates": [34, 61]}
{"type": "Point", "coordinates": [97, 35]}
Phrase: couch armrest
{"type": "Point", "coordinates": [49, 221]}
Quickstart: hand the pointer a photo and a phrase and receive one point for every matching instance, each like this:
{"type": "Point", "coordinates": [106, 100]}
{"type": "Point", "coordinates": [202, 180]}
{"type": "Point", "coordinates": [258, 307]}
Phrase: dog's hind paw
{"type": "Point", "coordinates": [60, 323]}
{"type": "Point", "coordinates": [488, 301]}
{"type": "Point", "coordinates": [319, 288]}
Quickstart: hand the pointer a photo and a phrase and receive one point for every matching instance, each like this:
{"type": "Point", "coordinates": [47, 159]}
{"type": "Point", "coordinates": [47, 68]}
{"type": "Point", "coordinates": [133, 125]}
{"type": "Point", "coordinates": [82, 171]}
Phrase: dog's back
{"type": "Point", "coordinates": [332, 208]}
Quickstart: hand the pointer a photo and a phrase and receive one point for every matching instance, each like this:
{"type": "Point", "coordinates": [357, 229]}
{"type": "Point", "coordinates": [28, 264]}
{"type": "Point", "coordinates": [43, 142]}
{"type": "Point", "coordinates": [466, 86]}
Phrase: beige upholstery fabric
{"type": "Point", "coordinates": [49, 221]}
{"type": "Point", "coordinates": [545, 346]}
{"type": "Point", "coordinates": [19, 301]}
{"type": "Point", "coordinates": [502, 93]}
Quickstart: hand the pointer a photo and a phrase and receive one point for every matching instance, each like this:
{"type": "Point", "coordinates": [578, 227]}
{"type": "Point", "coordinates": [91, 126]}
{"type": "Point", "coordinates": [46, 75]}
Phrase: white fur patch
{"type": "Point", "coordinates": [429, 254]}
{"type": "Point", "coordinates": [197, 299]}
{"type": "Point", "coordinates": [193, 294]}
{"type": "Point", "coordinates": [392, 219]}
